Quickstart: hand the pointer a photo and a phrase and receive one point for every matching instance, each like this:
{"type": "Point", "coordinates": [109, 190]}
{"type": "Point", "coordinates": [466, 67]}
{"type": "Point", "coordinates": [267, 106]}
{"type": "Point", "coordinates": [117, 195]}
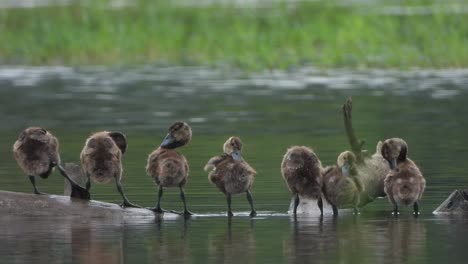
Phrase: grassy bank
{"type": "Point", "coordinates": [321, 34]}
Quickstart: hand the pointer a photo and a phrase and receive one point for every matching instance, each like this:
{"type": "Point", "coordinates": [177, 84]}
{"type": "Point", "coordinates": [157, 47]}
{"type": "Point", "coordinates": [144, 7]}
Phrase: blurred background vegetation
{"type": "Point", "coordinates": [249, 35]}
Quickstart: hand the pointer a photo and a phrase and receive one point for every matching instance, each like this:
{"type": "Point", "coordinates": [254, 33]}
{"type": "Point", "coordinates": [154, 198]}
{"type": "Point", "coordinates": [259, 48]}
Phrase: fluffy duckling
{"type": "Point", "coordinates": [101, 160]}
{"type": "Point", "coordinates": [37, 153]}
{"type": "Point", "coordinates": [341, 186]}
{"type": "Point", "coordinates": [302, 171]}
{"type": "Point", "coordinates": [231, 173]}
{"type": "Point", "coordinates": [169, 168]}
{"type": "Point", "coordinates": [404, 184]}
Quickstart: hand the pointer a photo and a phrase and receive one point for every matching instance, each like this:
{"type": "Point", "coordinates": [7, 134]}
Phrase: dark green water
{"type": "Point", "coordinates": [270, 112]}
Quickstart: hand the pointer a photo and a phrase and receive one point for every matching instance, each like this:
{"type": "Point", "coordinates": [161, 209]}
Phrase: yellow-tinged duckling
{"type": "Point", "coordinates": [404, 184]}
{"type": "Point", "coordinates": [101, 160]}
{"type": "Point", "coordinates": [37, 153]}
{"type": "Point", "coordinates": [231, 173]}
{"type": "Point", "coordinates": [341, 186]}
{"type": "Point", "coordinates": [169, 168]}
{"type": "Point", "coordinates": [302, 171]}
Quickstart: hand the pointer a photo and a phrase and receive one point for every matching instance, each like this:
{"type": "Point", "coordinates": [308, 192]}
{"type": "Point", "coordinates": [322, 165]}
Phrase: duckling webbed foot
{"type": "Point", "coordinates": [76, 190]}
{"type": "Point", "coordinates": [126, 204]}
{"type": "Point", "coordinates": [160, 210]}
{"type": "Point", "coordinates": [356, 211]}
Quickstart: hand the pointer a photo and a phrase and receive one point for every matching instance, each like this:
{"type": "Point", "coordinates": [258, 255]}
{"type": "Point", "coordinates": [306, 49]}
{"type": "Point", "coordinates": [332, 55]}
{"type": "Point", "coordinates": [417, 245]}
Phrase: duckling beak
{"type": "Point", "coordinates": [236, 155]}
{"type": "Point", "coordinates": [168, 140]}
{"type": "Point", "coordinates": [345, 170]}
{"type": "Point", "coordinates": [392, 163]}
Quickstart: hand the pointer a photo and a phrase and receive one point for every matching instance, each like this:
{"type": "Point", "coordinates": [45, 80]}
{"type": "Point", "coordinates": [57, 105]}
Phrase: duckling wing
{"type": "Point", "coordinates": [249, 168]}
{"type": "Point", "coordinates": [152, 165]}
{"type": "Point", "coordinates": [213, 162]}
{"type": "Point", "coordinates": [53, 150]}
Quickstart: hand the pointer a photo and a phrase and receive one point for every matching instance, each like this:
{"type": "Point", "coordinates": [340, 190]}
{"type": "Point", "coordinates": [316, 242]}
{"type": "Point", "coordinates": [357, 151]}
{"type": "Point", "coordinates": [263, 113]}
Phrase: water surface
{"type": "Point", "coordinates": [270, 111]}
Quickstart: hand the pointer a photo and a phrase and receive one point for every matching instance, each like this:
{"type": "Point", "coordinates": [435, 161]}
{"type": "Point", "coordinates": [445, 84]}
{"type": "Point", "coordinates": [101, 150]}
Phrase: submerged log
{"type": "Point", "coordinates": [25, 204]}
{"type": "Point", "coordinates": [456, 203]}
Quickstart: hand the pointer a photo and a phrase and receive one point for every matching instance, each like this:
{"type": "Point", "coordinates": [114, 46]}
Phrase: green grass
{"type": "Point", "coordinates": [324, 35]}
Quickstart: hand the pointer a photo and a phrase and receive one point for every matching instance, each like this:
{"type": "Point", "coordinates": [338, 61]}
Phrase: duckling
{"type": "Point", "coordinates": [404, 184]}
{"type": "Point", "coordinates": [169, 168]}
{"type": "Point", "coordinates": [341, 186]}
{"type": "Point", "coordinates": [231, 174]}
{"type": "Point", "coordinates": [37, 153]}
{"type": "Point", "coordinates": [101, 160]}
{"type": "Point", "coordinates": [302, 171]}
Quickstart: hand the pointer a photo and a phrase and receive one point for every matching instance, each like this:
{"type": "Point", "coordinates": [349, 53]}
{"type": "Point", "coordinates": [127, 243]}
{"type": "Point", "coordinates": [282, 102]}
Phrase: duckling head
{"type": "Point", "coordinates": [346, 162]}
{"type": "Point", "coordinates": [179, 134]}
{"type": "Point", "coordinates": [233, 148]}
{"type": "Point", "coordinates": [394, 150]}
{"type": "Point", "coordinates": [34, 133]}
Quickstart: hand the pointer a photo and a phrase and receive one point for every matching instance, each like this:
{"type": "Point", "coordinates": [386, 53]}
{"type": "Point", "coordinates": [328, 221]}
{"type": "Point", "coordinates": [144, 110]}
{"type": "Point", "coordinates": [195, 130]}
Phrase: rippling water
{"type": "Point", "coordinates": [269, 111]}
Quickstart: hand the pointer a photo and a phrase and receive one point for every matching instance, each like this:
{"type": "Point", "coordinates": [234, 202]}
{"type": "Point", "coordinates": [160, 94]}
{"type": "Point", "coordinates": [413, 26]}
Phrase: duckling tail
{"type": "Point", "coordinates": [407, 194]}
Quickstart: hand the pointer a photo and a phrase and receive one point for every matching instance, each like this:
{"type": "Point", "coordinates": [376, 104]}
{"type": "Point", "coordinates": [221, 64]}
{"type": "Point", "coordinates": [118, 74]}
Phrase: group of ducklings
{"type": "Point", "coordinates": [341, 184]}
{"type": "Point", "coordinates": [37, 153]}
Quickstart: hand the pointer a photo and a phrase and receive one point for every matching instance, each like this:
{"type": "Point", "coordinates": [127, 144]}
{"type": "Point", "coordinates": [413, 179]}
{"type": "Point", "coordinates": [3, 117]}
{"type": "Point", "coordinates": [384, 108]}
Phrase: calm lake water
{"type": "Point", "coordinates": [270, 111]}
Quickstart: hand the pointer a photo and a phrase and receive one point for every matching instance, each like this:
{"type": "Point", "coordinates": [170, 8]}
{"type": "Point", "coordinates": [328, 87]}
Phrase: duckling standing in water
{"type": "Point", "coordinates": [169, 168]}
{"type": "Point", "coordinates": [341, 186]}
{"type": "Point", "coordinates": [231, 173]}
{"type": "Point", "coordinates": [37, 153]}
{"type": "Point", "coordinates": [101, 160]}
{"type": "Point", "coordinates": [404, 184]}
{"type": "Point", "coordinates": [302, 171]}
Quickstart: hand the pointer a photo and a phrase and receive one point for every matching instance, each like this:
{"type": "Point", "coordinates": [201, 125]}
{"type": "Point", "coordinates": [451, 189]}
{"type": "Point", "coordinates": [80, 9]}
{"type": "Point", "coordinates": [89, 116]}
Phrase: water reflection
{"type": "Point", "coordinates": [356, 240]}
{"type": "Point", "coordinates": [86, 247]}
{"type": "Point", "coordinates": [233, 247]}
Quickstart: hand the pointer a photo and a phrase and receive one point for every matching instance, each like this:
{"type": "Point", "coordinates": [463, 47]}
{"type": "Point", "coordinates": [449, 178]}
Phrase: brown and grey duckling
{"type": "Point", "coordinates": [37, 153]}
{"type": "Point", "coordinates": [101, 160]}
{"type": "Point", "coordinates": [169, 168]}
{"type": "Point", "coordinates": [404, 184]}
{"type": "Point", "coordinates": [341, 185]}
{"type": "Point", "coordinates": [302, 171]}
{"type": "Point", "coordinates": [231, 174]}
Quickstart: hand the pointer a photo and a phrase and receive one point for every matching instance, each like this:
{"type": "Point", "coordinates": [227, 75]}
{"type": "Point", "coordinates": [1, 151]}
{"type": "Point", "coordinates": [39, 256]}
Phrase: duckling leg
{"type": "Point", "coordinates": [33, 181]}
{"type": "Point", "coordinates": [296, 203]}
{"type": "Point", "coordinates": [88, 182]}
{"type": "Point", "coordinates": [228, 199]}
{"type": "Point", "coordinates": [126, 202]}
{"type": "Point", "coordinates": [182, 196]}
{"type": "Point", "coordinates": [76, 190]}
{"type": "Point", "coordinates": [335, 210]}
{"type": "Point", "coordinates": [416, 208]}
{"type": "Point", "coordinates": [250, 199]}
{"type": "Point", "coordinates": [320, 205]}
{"type": "Point", "coordinates": [395, 209]}
{"type": "Point", "coordinates": [158, 208]}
